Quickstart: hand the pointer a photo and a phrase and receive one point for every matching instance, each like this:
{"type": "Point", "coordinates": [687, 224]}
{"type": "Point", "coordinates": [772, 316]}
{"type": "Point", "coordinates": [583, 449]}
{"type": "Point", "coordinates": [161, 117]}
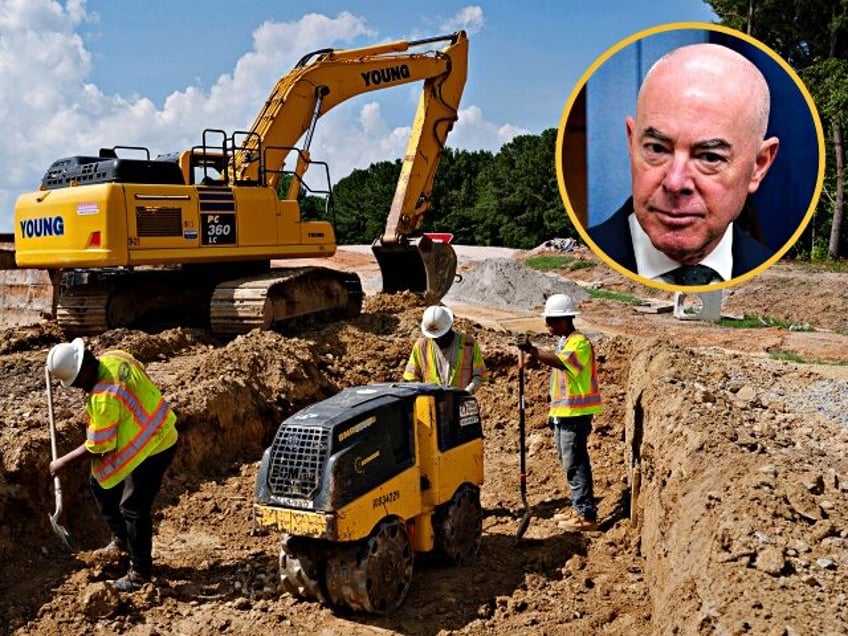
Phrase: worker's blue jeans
{"type": "Point", "coordinates": [571, 435]}
{"type": "Point", "coordinates": [127, 508]}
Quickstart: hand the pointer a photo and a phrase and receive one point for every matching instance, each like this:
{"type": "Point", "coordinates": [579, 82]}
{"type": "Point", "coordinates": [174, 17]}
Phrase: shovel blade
{"type": "Point", "coordinates": [61, 532]}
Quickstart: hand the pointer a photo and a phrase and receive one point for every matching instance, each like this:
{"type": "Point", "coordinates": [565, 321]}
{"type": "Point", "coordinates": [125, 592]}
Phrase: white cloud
{"type": "Point", "coordinates": [469, 19]}
{"type": "Point", "coordinates": [51, 109]}
{"type": "Point", "coordinates": [372, 119]}
{"type": "Point", "coordinates": [472, 131]}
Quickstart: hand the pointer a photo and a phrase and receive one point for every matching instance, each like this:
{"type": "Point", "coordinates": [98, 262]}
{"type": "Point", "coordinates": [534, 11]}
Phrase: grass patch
{"type": "Point", "coordinates": [791, 356]}
{"type": "Point", "coordinates": [606, 294]}
{"type": "Point", "coordinates": [758, 322]}
{"type": "Point", "coordinates": [824, 265]}
{"type": "Point", "coordinates": [547, 263]}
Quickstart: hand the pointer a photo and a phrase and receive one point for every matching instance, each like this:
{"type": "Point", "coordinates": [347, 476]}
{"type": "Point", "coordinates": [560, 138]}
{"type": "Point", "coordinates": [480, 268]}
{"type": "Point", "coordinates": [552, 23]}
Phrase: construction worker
{"type": "Point", "coordinates": [130, 438]}
{"type": "Point", "coordinates": [574, 398]}
{"type": "Point", "coordinates": [445, 355]}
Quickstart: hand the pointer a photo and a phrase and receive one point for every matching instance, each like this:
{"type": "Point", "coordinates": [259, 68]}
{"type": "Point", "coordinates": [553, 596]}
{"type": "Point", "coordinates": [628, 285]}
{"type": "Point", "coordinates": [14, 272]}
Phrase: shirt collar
{"type": "Point", "coordinates": [651, 263]}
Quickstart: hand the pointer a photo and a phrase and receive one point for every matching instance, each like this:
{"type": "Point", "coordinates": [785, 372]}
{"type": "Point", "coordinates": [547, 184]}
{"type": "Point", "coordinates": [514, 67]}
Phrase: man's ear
{"type": "Point", "coordinates": [629, 125]}
{"type": "Point", "coordinates": [762, 162]}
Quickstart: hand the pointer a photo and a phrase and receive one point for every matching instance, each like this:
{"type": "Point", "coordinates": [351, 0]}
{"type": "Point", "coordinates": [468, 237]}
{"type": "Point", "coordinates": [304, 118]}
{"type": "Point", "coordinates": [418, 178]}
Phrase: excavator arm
{"type": "Point", "coordinates": [323, 79]}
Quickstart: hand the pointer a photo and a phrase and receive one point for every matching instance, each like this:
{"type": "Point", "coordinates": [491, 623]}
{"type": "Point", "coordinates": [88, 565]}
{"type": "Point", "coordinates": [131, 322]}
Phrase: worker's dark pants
{"type": "Point", "coordinates": [571, 435]}
{"type": "Point", "coordinates": [127, 508]}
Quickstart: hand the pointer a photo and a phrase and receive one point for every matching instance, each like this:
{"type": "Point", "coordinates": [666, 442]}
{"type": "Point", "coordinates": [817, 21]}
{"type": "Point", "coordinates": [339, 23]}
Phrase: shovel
{"type": "Point", "coordinates": [60, 530]}
{"type": "Point", "coordinates": [522, 468]}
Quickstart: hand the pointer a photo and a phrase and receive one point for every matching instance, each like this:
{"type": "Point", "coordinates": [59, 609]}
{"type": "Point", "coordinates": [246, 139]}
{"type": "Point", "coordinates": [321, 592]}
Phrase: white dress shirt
{"type": "Point", "coordinates": [653, 264]}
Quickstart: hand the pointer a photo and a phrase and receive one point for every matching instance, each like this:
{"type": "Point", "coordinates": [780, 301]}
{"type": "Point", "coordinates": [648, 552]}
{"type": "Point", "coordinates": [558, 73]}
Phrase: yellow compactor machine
{"type": "Point", "coordinates": [189, 238]}
{"type": "Point", "coordinates": [360, 483]}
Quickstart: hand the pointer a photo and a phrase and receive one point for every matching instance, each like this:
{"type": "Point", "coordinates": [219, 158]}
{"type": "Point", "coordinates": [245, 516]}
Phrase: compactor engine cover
{"type": "Point", "coordinates": [335, 451]}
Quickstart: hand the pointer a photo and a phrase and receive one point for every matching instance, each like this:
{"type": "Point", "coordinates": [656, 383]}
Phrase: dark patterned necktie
{"type": "Point", "coordinates": [692, 275]}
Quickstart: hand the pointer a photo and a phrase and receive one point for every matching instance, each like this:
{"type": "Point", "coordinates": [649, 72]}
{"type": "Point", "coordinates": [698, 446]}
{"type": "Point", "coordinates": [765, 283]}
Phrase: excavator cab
{"type": "Point", "coordinates": [426, 265]}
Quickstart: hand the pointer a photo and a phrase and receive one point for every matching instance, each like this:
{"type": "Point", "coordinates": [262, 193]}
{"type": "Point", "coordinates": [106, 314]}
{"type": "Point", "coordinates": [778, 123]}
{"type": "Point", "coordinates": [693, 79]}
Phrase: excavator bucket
{"type": "Point", "coordinates": [421, 265]}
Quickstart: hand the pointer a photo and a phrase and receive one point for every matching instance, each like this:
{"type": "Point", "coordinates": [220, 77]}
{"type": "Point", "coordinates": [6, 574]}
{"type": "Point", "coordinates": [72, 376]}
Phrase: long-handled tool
{"type": "Point", "coordinates": [522, 464]}
{"type": "Point", "coordinates": [60, 530]}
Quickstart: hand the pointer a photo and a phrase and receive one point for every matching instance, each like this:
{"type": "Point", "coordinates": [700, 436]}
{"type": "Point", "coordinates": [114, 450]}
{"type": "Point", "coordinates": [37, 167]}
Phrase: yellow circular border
{"type": "Point", "coordinates": [679, 26]}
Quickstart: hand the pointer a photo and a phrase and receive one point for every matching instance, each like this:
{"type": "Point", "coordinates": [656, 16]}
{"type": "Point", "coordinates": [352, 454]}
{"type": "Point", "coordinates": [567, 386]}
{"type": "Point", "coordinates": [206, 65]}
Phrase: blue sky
{"type": "Point", "coordinates": [77, 75]}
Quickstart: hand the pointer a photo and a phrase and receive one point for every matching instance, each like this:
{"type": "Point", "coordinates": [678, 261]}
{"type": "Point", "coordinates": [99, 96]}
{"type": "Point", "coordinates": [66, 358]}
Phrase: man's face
{"type": "Point", "coordinates": [557, 326]}
{"type": "Point", "coordinates": [694, 158]}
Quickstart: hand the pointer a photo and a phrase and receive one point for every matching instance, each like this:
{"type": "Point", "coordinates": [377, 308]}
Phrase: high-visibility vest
{"type": "Point", "coordinates": [128, 419]}
{"type": "Point", "coordinates": [575, 390]}
{"type": "Point", "coordinates": [423, 365]}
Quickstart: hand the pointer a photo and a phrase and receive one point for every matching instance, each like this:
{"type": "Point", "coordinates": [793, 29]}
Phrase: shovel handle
{"type": "Point", "coordinates": [50, 417]}
{"type": "Point", "coordinates": [522, 467]}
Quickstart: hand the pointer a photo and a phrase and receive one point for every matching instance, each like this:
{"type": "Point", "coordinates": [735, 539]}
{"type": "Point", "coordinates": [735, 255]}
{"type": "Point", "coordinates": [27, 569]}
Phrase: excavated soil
{"type": "Point", "coordinates": [739, 523]}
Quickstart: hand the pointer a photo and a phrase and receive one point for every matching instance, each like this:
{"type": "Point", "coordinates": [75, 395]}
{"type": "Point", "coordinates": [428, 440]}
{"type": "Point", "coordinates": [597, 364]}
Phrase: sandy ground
{"type": "Point", "coordinates": [740, 523]}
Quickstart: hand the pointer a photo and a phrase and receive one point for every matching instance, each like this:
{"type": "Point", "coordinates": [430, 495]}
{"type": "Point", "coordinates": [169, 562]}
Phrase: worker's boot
{"type": "Point", "coordinates": [115, 548]}
{"type": "Point", "coordinates": [567, 514]}
{"type": "Point", "coordinates": [132, 581]}
{"type": "Point", "coordinates": [578, 524]}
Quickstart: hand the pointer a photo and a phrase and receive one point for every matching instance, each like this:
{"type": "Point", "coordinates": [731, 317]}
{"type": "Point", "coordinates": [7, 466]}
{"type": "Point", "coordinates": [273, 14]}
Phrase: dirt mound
{"type": "Point", "coordinates": [147, 348]}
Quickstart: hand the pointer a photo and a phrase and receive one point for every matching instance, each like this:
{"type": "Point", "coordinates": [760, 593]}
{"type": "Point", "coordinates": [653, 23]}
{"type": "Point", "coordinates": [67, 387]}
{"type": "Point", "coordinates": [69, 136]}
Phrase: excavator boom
{"type": "Point", "coordinates": [408, 260]}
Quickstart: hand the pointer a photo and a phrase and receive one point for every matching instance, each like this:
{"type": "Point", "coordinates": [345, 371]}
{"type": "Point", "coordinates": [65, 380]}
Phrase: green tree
{"type": "Point", "coordinates": [455, 193]}
{"type": "Point", "coordinates": [361, 202]}
{"type": "Point", "coordinates": [812, 36]}
{"type": "Point", "coordinates": [508, 199]}
{"type": "Point", "coordinates": [518, 203]}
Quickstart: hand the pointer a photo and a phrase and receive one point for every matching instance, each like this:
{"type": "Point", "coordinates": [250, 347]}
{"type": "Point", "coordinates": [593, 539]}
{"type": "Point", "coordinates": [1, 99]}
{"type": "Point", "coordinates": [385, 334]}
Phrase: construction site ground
{"type": "Point", "coordinates": [739, 524]}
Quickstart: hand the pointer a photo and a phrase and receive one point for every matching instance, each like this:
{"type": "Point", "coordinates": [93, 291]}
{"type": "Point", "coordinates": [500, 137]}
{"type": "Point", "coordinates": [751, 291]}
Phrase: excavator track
{"type": "Point", "coordinates": [90, 303]}
{"type": "Point", "coordinates": [83, 311]}
{"type": "Point", "coordinates": [282, 297]}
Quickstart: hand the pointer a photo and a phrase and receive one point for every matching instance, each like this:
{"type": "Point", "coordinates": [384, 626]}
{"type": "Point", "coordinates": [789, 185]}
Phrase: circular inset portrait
{"type": "Point", "coordinates": [690, 156]}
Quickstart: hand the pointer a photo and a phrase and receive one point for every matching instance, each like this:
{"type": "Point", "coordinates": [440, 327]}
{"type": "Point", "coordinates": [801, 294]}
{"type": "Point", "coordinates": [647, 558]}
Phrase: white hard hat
{"type": "Point", "coordinates": [65, 361]}
{"type": "Point", "coordinates": [559, 306]}
{"type": "Point", "coordinates": [437, 321]}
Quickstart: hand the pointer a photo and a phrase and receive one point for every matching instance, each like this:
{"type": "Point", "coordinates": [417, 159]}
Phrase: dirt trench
{"type": "Point", "coordinates": [741, 510]}
{"type": "Point", "coordinates": [742, 507]}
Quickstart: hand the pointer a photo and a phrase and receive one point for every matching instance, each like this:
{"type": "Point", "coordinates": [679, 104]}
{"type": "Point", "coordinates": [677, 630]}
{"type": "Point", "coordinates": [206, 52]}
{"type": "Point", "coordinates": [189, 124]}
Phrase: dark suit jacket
{"type": "Point", "coordinates": [613, 237]}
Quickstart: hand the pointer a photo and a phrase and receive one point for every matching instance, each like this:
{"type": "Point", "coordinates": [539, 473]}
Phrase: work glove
{"type": "Point", "coordinates": [522, 341]}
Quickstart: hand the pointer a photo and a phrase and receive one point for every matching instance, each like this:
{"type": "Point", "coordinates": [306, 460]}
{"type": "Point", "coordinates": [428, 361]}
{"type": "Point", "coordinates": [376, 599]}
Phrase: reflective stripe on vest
{"type": "Point", "coordinates": [123, 387]}
{"type": "Point", "coordinates": [423, 364]}
{"type": "Point", "coordinates": [575, 390]}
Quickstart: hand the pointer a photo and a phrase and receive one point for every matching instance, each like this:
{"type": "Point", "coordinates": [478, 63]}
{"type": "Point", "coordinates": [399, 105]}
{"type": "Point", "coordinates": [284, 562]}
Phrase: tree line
{"type": "Point", "coordinates": [509, 198]}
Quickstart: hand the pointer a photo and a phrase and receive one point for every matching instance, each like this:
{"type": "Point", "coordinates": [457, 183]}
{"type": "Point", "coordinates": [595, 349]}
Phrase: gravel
{"type": "Point", "coordinates": [509, 283]}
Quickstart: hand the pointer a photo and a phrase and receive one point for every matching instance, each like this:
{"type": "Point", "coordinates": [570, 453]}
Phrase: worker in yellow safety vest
{"type": "Point", "coordinates": [445, 355]}
{"type": "Point", "coordinates": [131, 440]}
{"type": "Point", "coordinates": [575, 397]}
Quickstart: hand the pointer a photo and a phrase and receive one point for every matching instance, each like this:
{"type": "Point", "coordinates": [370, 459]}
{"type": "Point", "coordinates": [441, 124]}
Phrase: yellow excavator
{"type": "Point", "coordinates": [189, 238]}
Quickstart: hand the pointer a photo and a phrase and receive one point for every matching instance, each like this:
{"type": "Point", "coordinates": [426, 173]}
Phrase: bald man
{"type": "Point", "coordinates": [697, 150]}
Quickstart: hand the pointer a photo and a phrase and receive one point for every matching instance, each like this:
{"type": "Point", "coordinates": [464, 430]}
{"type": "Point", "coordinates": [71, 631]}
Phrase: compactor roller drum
{"type": "Point", "coordinates": [459, 526]}
{"type": "Point", "coordinates": [374, 575]}
{"type": "Point", "coordinates": [300, 571]}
